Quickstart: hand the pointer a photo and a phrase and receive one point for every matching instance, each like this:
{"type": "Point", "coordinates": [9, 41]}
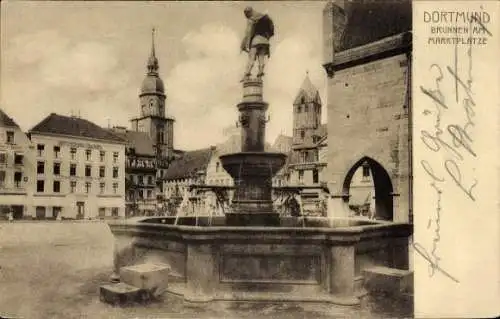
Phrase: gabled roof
{"type": "Point", "coordinates": [7, 121]}
{"type": "Point", "coordinates": [307, 91]}
{"type": "Point", "coordinates": [189, 164]}
{"type": "Point", "coordinates": [74, 126]}
{"type": "Point", "coordinates": [140, 141]}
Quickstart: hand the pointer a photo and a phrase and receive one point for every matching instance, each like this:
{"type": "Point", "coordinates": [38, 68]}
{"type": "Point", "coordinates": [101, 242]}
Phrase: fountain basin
{"type": "Point", "coordinates": [252, 173]}
{"type": "Point", "coordinates": [320, 261]}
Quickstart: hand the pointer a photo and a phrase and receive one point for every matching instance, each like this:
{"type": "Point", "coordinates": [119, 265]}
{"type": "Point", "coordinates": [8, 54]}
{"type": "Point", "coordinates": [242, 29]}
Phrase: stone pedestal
{"type": "Point", "coordinates": [342, 270]}
{"type": "Point", "coordinates": [150, 277]}
{"type": "Point", "coordinates": [253, 169]}
{"type": "Point", "coordinates": [337, 207]}
{"type": "Point", "coordinates": [120, 294]}
{"type": "Point", "coordinates": [388, 280]}
{"type": "Point", "coordinates": [201, 271]}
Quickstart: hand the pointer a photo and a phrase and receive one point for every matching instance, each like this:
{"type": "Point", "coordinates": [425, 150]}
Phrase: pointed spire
{"type": "Point", "coordinates": [153, 42]}
{"type": "Point", "coordinates": [153, 61]}
{"type": "Point", "coordinates": [307, 91]}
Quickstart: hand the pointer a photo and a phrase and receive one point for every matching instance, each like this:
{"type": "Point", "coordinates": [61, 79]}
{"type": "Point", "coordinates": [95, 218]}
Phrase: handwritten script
{"type": "Point", "coordinates": [452, 141]}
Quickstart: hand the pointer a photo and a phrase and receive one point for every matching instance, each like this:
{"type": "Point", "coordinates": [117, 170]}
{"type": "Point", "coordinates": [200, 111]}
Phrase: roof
{"type": "Point", "coordinates": [308, 91]}
{"type": "Point", "coordinates": [189, 164]}
{"type": "Point", "coordinates": [74, 126]}
{"type": "Point", "coordinates": [140, 141]}
{"type": "Point", "coordinates": [152, 84]}
{"type": "Point", "coordinates": [7, 121]}
{"type": "Point", "coordinates": [370, 21]}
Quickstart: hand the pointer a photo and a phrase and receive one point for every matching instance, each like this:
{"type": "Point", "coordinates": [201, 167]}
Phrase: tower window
{"type": "Point", "coordinates": [306, 109]}
{"type": "Point", "coordinates": [159, 135]}
{"type": "Point", "coordinates": [299, 108]}
{"type": "Point", "coordinates": [302, 134]}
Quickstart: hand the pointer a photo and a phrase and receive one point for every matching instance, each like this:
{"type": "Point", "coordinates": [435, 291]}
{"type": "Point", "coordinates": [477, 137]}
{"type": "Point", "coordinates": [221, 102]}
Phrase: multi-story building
{"type": "Point", "coordinates": [153, 119]}
{"type": "Point", "coordinates": [16, 168]}
{"type": "Point", "coordinates": [140, 170]}
{"type": "Point", "coordinates": [189, 169]}
{"type": "Point", "coordinates": [304, 167]}
{"type": "Point", "coordinates": [80, 169]}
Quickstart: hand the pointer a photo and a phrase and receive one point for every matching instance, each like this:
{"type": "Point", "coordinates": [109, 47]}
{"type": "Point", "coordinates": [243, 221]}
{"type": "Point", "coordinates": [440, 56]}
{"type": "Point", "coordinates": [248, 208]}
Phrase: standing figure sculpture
{"type": "Point", "coordinates": [259, 30]}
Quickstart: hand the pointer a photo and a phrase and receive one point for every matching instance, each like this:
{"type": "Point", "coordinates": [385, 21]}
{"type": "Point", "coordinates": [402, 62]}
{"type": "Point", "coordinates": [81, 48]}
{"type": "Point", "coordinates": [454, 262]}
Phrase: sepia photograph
{"type": "Point", "coordinates": [211, 159]}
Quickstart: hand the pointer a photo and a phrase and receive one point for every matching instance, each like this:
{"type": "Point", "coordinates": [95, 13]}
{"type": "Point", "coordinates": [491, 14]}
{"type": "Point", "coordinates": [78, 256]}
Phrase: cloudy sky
{"type": "Point", "coordinates": [90, 58]}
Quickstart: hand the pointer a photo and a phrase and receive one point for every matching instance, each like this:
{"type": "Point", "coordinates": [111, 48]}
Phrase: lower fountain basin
{"type": "Point", "coordinates": [302, 259]}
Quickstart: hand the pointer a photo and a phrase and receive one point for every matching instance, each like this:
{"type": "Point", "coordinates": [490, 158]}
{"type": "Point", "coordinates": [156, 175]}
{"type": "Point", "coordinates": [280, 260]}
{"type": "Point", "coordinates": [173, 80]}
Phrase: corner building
{"type": "Point", "coordinates": [16, 168]}
{"type": "Point", "coordinates": [367, 57]}
{"type": "Point", "coordinates": [80, 170]}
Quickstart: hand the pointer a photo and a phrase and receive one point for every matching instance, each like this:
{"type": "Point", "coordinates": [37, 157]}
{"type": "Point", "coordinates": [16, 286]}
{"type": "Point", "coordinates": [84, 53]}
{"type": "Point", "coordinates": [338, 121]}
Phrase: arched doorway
{"type": "Point", "coordinates": [382, 188]}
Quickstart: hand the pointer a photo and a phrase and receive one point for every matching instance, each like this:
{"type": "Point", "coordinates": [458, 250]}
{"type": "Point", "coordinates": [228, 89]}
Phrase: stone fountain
{"type": "Point", "coordinates": [252, 169]}
{"type": "Point", "coordinates": [251, 253]}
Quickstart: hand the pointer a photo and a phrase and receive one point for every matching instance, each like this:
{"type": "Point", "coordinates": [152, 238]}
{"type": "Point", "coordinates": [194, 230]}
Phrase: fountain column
{"type": "Point", "coordinates": [252, 169]}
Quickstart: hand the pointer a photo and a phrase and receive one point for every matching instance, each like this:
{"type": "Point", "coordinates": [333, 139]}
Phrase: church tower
{"type": "Point", "coordinates": [306, 113]}
{"type": "Point", "coordinates": [153, 119]}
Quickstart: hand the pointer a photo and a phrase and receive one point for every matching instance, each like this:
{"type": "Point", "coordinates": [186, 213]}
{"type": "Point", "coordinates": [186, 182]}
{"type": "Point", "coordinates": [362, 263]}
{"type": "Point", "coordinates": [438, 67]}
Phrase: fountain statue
{"type": "Point", "coordinates": [253, 169]}
{"type": "Point", "coordinates": [251, 252]}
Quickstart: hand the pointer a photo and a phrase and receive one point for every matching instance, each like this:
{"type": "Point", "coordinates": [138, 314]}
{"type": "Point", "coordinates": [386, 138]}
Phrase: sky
{"type": "Point", "coordinates": [89, 58]}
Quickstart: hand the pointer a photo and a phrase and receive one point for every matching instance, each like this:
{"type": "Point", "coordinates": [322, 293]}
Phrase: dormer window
{"type": "Point", "coordinates": [302, 100]}
{"type": "Point", "coordinates": [306, 108]}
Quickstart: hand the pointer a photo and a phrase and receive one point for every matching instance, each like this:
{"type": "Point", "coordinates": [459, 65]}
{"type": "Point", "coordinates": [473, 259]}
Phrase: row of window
{"type": "Point", "coordinates": [139, 179]}
{"type": "Point", "coordinates": [140, 194]}
{"type": "Point", "coordinates": [114, 211]}
{"type": "Point", "coordinates": [315, 176]}
{"type": "Point", "coordinates": [73, 152]}
{"type": "Point", "coordinates": [18, 158]}
{"type": "Point", "coordinates": [305, 107]}
{"type": "Point", "coordinates": [56, 169]}
{"type": "Point", "coordinates": [18, 177]}
{"type": "Point", "coordinates": [56, 187]}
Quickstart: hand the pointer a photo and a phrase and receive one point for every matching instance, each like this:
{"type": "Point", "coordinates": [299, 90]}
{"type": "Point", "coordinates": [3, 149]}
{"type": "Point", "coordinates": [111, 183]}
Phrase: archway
{"type": "Point", "coordinates": [382, 186]}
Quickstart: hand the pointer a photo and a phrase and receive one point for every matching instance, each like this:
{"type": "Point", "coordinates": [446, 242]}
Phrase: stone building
{"type": "Point", "coordinates": [80, 170]}
{"type": "Point", "coordinates": [16, 168]}
{"type": "Point", "coordinates": [189, 169]}
{"type": "Point", "coordinates": [140, 170]}
{"type": "Point", "coordinates": [153, 118]}
{"type": "Point", "coordinates": [303, 166]}
{"type": "Point", "coordinates": [367, 58]}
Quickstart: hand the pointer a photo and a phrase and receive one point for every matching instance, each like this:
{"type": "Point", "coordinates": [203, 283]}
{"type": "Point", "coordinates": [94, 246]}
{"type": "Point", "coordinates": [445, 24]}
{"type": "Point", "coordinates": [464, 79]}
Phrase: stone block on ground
{"type": "Point", "coordinates": [120, 294]}
{"type": "Point", "coordinates": [388, 280]}
{"type": "Point", "coordinates": [152, 277]}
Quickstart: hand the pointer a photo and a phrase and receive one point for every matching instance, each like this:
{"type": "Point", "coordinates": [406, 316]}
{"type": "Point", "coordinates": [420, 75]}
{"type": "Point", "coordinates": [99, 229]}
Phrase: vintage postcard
{"type": "Point", "coordinates": [256, 159]}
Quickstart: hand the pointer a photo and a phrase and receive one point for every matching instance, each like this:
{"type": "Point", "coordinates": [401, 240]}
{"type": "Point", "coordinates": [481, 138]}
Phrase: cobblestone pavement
{"type": "Point", "coordinates": [54, 269]}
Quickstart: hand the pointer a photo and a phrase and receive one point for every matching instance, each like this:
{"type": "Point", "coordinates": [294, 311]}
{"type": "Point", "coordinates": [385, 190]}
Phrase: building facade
{"type": "Point", "coordinates": [16, 169]}
{"type": "Point", "coordinates": [189, 169]}
{"type": "Point", "coordinates": [80, 170]}
{"type": "Point", "coordinates": [367, 58]}
{"type": "Point", "coordinates": [304, 168]}
{"type": "Point", "coordinates": [140, 173]}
